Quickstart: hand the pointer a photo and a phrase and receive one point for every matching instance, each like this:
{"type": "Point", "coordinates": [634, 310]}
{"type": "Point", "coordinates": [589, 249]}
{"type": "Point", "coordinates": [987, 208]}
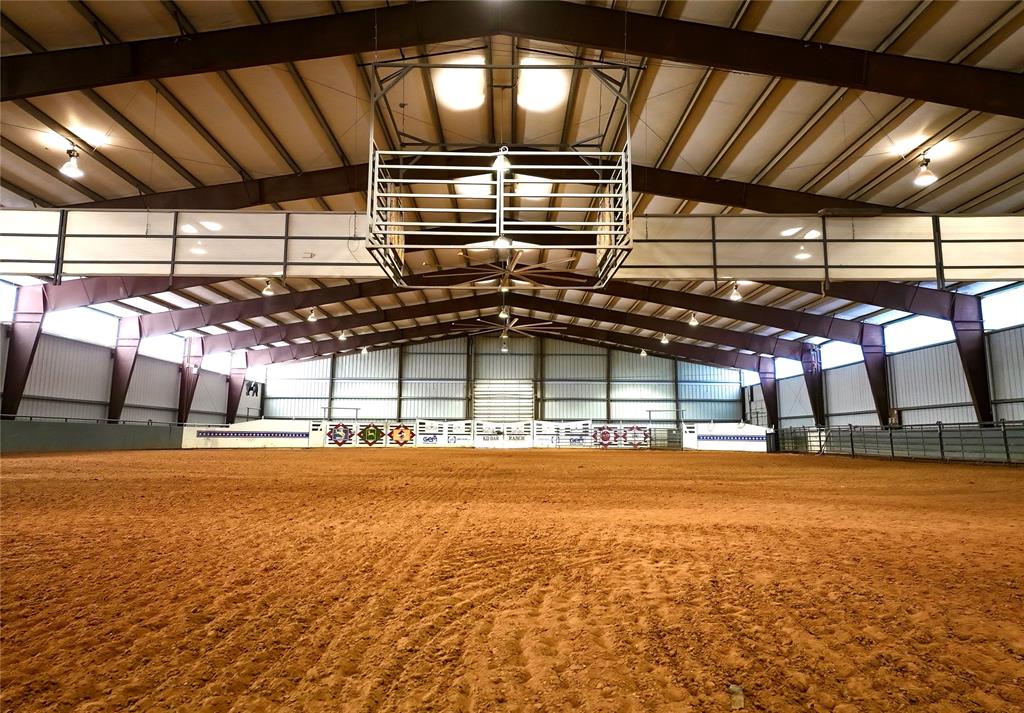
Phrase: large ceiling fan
{"type": "Point", "coordinates": [506, 328]}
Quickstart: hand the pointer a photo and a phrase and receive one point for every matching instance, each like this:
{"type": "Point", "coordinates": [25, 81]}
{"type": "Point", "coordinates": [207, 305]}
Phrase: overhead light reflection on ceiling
{"type": "Point", "coordinates": [541, 89]}
{"type": "Point", "coordinates": [461, 88]}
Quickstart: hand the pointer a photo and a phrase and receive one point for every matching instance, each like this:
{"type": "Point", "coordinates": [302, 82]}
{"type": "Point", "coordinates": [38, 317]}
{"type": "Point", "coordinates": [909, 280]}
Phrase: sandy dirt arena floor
{"type": "Point", "coordinates": [418, 580]}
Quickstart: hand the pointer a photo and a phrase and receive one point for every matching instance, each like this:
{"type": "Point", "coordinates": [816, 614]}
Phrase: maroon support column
{"type": "Point", "coordinates": [236, 382]}
{"type": "Point", "coordinates": [873, 348]}
{"type": "Point", "coordinates": [970, 342]}
{"type": "Point", "coordinates": [810, 360]}
{"type": "Point", "coordinates": [29, 307]}
{"type": "Point", "coordinates": [190, 365]}
{"type": "Point", "coordinates": [766, 374]}
{"type": "Point", "coordinates": [126, 352]}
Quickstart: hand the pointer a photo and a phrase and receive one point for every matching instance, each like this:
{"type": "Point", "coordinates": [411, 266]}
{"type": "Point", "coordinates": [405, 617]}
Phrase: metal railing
{"type": "Point", "coordinates": [993, 442]}
{"type": "Point", "coordinates": [490, 206]}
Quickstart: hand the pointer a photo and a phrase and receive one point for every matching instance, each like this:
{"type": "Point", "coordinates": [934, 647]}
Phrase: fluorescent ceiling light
{"type": "Point", "coordinates": [461, 88]}
{"type": "Point", "coordinates": [475, 186]}
{"type": "Point", "coordinates": [532, 186]}
{"type": "Point", "coordinates": [541, 89]}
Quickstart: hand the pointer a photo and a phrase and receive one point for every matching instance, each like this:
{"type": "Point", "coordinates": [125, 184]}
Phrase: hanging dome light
{"type": "Point", "coordinates": [802, 254]}
{"type": "Point", "coordinates": [343, 336]}
{"type": "Point", "coordinates": [70, 168]}
{"type": "Point", "coordinates": [503, 314]}
{"type": "Point", "coordinates": [924, 176]}
{"type": "Point", "coordinates": [664, 338]}
{"type": "Point", "coordinates": [735, 295]}
{"type": "Point", "coordinates": [502, 243]}
{"type": "Point", "coordinates": [312, 315]}
{"type": "Point", "coordinates": [643, 352]}
{"type": "Point", "coordinates": [267, 290]}
{"type": "Point", "coordinates": [693, 319]}
{"type": "Point", "coordinates": [504, 347]}
{"type": "Point", "coordinates": [364, 349]}
{"type": "Point", "coordinates": [501, 161]}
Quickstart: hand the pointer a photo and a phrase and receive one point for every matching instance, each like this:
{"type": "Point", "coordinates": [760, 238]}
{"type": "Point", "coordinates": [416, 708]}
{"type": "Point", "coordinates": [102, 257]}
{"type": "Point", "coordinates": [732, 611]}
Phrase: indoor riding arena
{"type": "Point", "coordinates": [621, 355]}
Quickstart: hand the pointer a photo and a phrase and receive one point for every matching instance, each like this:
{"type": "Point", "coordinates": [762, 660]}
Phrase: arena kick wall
{"type": "Point", "coordinates": [466, 434]}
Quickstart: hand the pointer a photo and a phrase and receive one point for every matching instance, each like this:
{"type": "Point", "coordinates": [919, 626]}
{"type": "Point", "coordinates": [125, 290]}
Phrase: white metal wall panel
{"type": "Point", "coordinates": [643, 411]}
{"type": "Point", "coordinates": [375, 364]}
{"type": "Point", "coordinates": [447, 346]}
{"type": "Point", "coordinates": [688, 371]}
{"type": "Point", "coordinates": [627, 391]}
{"type": "Point", "coordinates": [295, 408]}
{"type": "Point", "coordinates": [365, 389]}
{"type": "Point", "coordinates": [3, 354]}
{"type": "Point", "coordinates": [376, 409]}
{"type": "Point", "coordinates": [434, 365]}
{"type": "Point", "coordinates": [433, 410]}
{"type": "Point", "coordinates": [710, 410]}
{"type": "Point", "coordinates": [946, 414]}
{"type": "Point", "coordinates": [793, 399]}
{"type": "Point", "coordinates": [156, 415]}
{"type": "Point", "coordinates": [856, 419]}
{"type": "Point", "coordinates": [66, 369]}
{"type": "Point", "coordinates": [1006, 355]}
{"type": "Point", "coordinates": [629, 366]}
{"type": "Point", "coordinates": [847, 391]}
{"type": "Point", "coordinates": [308, 369]}
{"type": "Point", "coordinates": [211, 395]}
{"type": "Point", "coordinates": [794, 421]}
{"type": "Point", "coordinates": [558, 347]}
{"type": "Point", "coordinates": [568, 367]}
{"type": "Point", "coordinates": [928, 377]}
{"type": "Point", "coordinates": [154, 384]}
{"type": "Point", "coordinates": [574, 410]}
{"type": "Point", "coordinates": [441, 390]}
{"type": "Point", "coordinates": [307, 388]}
{"type": "Point", "coordinates": [690, 391]}
{"type": "Point", "coordinates": [574, 390]}
{"type": "Point", "coordinates": [490, 363]}
{"type": "Point", "coordinates": [61, 409]}
{"type": "Point", "coordinates": [503, 400]}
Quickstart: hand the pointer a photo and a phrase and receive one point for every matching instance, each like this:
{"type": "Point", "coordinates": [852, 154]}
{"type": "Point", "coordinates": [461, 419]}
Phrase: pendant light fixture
{"type": "Point", "coordinates": [267, 290]}
{"type": "Point", "coordinates": [503, 314]}
{"type": "Point", "coordinates": [924, 176]}
{"type": "Point", "coordinates": [802, 254]}
{"type": "Point", "coordinates": [643, 352]}
{"type": "Point", "coordinates": [693, 319]}
{"type": "Point", "coordinates": [343, 336]}
{"type": "Point", "coordinates": [312, 315]}
{"type": "Point", "coordinates": [735, 295]}
{"type": "Point", "coordinates": [70, 167]}
{"type": "Point", "coordinates": [364, 349]}
{"type": "Point", "coordinates": [664, 338]}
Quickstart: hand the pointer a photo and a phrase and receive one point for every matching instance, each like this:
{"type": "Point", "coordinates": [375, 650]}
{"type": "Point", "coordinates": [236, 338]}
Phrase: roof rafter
{"type": "Point", "coordinates": [413, 24]}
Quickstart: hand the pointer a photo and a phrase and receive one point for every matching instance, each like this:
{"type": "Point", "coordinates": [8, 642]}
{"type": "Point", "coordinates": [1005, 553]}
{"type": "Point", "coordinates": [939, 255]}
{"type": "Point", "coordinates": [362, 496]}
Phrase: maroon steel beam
{"type": "Point", "coordinates": [97, 290]}
{"type": "Point", "coordinates": [352, 179]}
{"type": "Point", "coordinates": [29, 308]}
{"type": "Point", "coordinates": [870, 337]}
{"type": "Point", "coordinates": [427, 23]}
{"type": "Point", "coordinates": [724, 337]}
{"type": "Point", "coordinates": [963, 311]}
{"type": "Point", "coordinates": [229, 341]}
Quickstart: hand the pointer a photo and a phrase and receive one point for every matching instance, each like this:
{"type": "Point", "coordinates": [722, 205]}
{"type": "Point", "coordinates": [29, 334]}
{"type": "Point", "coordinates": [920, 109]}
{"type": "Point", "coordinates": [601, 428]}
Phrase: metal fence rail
{"type": "Point", "coordinates": [995, 442]}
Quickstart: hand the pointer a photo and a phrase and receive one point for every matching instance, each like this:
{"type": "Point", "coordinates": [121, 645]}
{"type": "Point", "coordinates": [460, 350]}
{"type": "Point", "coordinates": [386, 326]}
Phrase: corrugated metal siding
{"type": "Point", "coordinates": [793, 399]}
{"type": "Point", "coordinates": [304, 388]}
{"type": "Point", "coordinates": [154, 383]}
{"type": "Point", "coordinates": [568, 390]}
{"type": "Point", "coordinates": [946, 414]}
{"type": "Point", "coordinates": [690, 391]}
{"type": "Point", "coordinates": [928, 377]}
{"type": "Point", "coordinates": [574, 410]}
{"type": "Point", "coordinates": [3, 354]}
{"type": "Point", "coordinates": [211, 397]}
{"type": "Point", "coordinates": [66, 369]}
{"type": "Point", "coordinates": [555, 346]}
{"type": "Point", "coordinates": [490, 363]}
{"type": "Point", "coordinates": [61, 409]}
{"type": "Point", "coordinates": [575, 367]}
{"type": "Point", "coordinates": [848, 394]}
{"type": "Point", "coordinates": [710, 410]}
{"type": "Point", "coordinates": [643, 411]}
{"type": "Point", "coordinates": [626, 391]}
{"type": "Point", "coordinates": [365, 389]}
{"type": "Point", "coordinates": [627, 366]}
{"type": "Point", "coordinates": [688, 371]}
{"type": "Point", "coordinates": [375, 364]}
{"type": "Point", "coordinates": [367, 408]}
{"type": "Point", "coordinates": [157, 415]}
{"type": "Point", "coordinates": [295, 408]}
{"type": "Point", "coordinates": [434, 366]}
{"type": "Point", "coordinates": [448, 346]}
{"type": "Point", "coordinates": [308, 369]}
{"type": "Point", "coordinates": [1006, 355]}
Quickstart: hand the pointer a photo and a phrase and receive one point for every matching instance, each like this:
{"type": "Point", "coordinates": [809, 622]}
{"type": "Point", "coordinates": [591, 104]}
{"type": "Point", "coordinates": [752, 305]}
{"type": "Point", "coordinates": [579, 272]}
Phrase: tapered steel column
{"type": "Point", "coordinates": [190, 365]}
{"type": "Point", "coordinates": [236, 382]}
{"type": "Point", "coordinates": [29, 308]}
{"type": "Point", "coordinates": [766, 375]}
{"type": "Point", "coordinates": [970, 343]}
{"type": "Point", "coordinates": [126, 352]}
{"type": "Point", "coordinates": [810, 360]}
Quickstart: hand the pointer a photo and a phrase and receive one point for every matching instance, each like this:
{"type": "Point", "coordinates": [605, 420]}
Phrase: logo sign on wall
{"type": "Point", "coordinates": [371, 434]}
{"type": "Point", "coordinates": [605, 437]}
{"type": "Point", "coordinates": [635, 436]}
{"type": "Point", "coordinates": [340, 434]}
{"type": "Point", "coordinates": [401, 435]}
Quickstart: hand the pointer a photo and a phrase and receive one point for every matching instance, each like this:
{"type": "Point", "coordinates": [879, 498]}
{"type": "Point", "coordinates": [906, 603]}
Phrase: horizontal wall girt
{"type": "Point", "coordinates": [425, 23]}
